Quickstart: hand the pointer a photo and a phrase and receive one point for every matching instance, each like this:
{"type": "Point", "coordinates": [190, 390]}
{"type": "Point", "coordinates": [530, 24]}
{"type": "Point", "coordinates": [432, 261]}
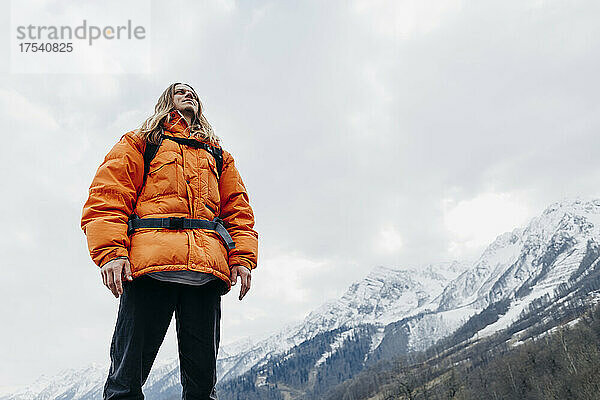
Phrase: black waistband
{"type": "Point", "coordinates": [176, 223]}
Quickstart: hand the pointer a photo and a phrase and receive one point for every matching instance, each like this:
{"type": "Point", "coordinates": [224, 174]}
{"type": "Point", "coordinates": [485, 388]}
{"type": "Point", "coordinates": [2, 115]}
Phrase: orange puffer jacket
{"type": "Point", "coordinates": [182, 182]}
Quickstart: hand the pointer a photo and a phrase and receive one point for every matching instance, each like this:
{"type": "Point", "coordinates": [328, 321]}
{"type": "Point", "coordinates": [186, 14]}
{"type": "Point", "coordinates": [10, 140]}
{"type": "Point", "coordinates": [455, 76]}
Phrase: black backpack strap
{"type": "Point", "coordinates": [216, 152]}
{"type": "Point", "coordinates": [149, 154]}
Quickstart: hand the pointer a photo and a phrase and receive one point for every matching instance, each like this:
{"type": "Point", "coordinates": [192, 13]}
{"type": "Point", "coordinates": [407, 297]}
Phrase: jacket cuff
{"type": "Point", "coordinates": [118, 252]}
{"type": "Point", "coordinates": [240, 261]}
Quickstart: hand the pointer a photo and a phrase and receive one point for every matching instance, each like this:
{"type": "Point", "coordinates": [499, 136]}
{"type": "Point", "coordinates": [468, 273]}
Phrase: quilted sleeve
{"type": "Point", "coordinates": [237, 215]}
{"type": "Point", "coordinates": [112, 198]}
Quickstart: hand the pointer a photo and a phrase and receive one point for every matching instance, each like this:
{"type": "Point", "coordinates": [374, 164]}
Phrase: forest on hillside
{"type": "Point", "coordinates": [562, 364]}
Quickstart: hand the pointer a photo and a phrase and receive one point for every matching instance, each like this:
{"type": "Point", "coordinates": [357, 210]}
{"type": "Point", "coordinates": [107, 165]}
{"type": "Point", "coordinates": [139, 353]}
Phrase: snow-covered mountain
{"type": "Point", "coordinates": [518, 269]}
{"type": "Point", "coordinates": [393, 311]}
{"type": "Point", "coordinates": [384, 296]}
{"type": "Point", "coordinates": [87, 383]}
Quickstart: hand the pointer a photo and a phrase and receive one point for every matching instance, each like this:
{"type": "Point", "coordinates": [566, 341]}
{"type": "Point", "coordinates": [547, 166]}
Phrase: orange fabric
{"type": "Point", "coordinates": [182, 182]}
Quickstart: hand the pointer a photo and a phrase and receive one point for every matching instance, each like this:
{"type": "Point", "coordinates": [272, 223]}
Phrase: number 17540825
{"type": "Point", "coordinates": [33, 47]}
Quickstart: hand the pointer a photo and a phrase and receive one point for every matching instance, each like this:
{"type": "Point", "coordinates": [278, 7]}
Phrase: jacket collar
{"type": "Point", "coordinates": [176, 123]}
{"type": "Point", "coordinates": [178, 126]}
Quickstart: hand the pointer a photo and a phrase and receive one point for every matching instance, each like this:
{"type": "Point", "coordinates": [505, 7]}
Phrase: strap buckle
{"type": "Point", "coordinates": [130, 227]}
{"type": "Point", "coordinates": [176, 222]}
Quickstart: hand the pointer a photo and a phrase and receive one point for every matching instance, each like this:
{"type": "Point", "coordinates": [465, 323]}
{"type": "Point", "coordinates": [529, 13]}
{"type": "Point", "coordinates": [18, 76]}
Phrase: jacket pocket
{"type": "Point", "coordinates": [163, 176]}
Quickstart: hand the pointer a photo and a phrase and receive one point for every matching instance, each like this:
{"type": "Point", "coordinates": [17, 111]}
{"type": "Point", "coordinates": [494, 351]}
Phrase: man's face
{"type": "Point", "coordinates": [185, 99]}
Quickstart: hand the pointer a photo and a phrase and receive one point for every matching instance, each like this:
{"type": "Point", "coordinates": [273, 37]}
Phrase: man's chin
{"type": "Point", "coordinates": [188, 108]}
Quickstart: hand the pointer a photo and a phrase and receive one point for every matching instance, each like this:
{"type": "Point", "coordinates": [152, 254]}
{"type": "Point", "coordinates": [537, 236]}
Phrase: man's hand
{"type": "Point", "coordinates": [114, 273]}
{"type": "Point", "coordinates": [244, 274]}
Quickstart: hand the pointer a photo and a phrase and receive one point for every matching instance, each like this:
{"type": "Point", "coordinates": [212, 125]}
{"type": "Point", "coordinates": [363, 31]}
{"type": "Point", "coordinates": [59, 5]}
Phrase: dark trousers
{"type": "Point", "coordinates": [145, 311]}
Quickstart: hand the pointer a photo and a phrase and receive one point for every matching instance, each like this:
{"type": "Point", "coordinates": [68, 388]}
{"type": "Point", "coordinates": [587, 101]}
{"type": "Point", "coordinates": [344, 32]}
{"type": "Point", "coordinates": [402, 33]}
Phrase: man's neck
{"type": "Point", "coordinates": [188, 117]}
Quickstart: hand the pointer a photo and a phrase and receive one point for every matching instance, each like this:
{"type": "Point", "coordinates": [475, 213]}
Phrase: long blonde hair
{"type": "Point", "coordinates": [151, 128]}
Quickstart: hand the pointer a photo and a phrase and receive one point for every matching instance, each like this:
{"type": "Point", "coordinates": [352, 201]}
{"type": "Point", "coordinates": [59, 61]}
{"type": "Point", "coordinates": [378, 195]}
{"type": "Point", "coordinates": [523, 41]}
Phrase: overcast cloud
{"type": "Point", "coordinates": [368, 133]}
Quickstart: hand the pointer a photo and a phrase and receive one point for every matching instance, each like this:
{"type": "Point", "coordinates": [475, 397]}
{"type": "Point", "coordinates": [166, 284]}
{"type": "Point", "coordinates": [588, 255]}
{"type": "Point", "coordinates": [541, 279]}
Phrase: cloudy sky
{"type": "Point", "coordinates": [397, 133]}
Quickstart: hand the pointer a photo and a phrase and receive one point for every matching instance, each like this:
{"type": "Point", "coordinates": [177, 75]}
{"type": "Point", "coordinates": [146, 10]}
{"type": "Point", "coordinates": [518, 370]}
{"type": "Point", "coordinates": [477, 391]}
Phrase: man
{"type": "Point", "coordinates": [169, 223]}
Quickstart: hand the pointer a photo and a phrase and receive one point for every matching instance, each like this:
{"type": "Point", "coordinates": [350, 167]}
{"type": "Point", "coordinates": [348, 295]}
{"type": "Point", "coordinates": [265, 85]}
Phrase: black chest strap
{"type": "Point", "coordinates": [214, 151]}
{"type": "Point", "coordinates": [152, 150]}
